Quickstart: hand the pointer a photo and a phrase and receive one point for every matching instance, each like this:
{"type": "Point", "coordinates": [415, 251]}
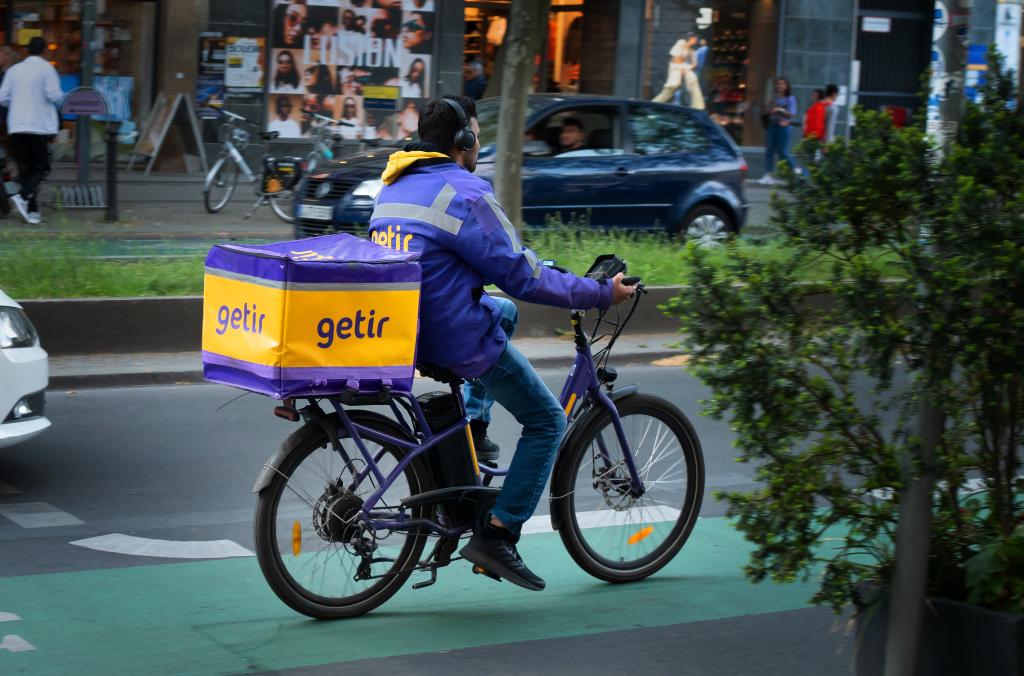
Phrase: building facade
{"type": "Point", "coordinates": [370, 62]}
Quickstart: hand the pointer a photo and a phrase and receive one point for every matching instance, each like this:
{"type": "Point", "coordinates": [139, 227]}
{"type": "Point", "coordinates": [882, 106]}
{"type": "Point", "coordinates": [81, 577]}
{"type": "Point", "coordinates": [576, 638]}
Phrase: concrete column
{"type": "Point", "coordinates": [448, 41]}
{"type": "Point", "coordinates": [178, 27]}
{"type": "Point", "coordinates": [629, 48]}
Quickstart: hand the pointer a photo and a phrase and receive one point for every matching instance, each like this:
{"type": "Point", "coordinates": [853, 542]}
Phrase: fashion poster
{"type": "Point", "coordinates": [326, 54]}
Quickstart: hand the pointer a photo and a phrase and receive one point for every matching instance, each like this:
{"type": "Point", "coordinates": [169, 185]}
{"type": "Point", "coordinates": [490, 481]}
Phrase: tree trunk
{"type": "Point", "coordinates": [913, 532]}
{"type": "Point", "coordinates": [522, 40]}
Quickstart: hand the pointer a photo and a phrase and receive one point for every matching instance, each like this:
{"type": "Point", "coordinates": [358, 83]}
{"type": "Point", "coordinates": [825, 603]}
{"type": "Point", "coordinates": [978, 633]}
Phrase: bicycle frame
{"type": "Point", "coordinates": [582, 382]}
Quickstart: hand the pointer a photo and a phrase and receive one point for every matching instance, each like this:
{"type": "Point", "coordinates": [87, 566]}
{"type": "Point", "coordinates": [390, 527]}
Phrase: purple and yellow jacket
{"type": "Point", "coordinates": [431, 205]}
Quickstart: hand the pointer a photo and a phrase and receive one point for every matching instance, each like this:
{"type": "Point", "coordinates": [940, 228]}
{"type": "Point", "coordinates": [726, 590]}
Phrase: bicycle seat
{"type": "Point", "coordinates": [438, 373]}
{"type": "Point", "coordinates": [269, 135]}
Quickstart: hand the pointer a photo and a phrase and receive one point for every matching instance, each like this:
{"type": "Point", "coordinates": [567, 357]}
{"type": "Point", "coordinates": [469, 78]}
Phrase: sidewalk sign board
{"type": "Point", "coordinates": [165, 113]}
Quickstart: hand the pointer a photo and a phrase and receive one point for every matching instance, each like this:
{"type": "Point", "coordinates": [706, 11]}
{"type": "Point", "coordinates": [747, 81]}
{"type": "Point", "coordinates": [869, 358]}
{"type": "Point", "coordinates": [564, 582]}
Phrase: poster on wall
{"type": "Point", "coordinates": [243, 71]}
{"type": "Point", "coordinates": [210, 80]}
{"type": "Point", "coordinates": [366, 62]}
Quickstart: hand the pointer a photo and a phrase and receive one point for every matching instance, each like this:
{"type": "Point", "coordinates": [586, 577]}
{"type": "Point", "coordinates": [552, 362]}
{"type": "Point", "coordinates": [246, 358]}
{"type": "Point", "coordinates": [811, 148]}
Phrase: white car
{"type": "Point", "coordinates": [24, 373]}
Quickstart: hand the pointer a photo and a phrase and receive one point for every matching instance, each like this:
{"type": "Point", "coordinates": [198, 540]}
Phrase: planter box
{"type": "Point", "coordinates": [958, 640]}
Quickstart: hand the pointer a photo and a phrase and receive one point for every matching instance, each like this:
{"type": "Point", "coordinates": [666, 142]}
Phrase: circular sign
{"type": "Point", "coordinates": [84, 101]}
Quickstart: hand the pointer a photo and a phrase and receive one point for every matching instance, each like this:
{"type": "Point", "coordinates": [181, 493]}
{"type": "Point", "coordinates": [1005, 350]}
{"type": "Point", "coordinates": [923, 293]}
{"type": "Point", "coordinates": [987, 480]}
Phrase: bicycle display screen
{"type": "Point", "coordinates": [606, 267]}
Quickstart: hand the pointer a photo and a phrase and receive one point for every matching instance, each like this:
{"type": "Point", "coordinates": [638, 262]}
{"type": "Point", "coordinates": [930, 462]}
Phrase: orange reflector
{"type": "Point", "coordinates": [297, 538]}
{"type": "Point", "coordinates": [640, 535]}
{"type": "Point", "coordinates": [572, 400]}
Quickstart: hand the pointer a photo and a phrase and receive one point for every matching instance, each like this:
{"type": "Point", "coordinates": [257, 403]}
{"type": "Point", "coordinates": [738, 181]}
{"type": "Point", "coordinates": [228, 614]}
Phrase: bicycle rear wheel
{"type": "Point", "coordinates": [282, 204]}
{"type": "Point", "coordinates": [610, 534]}
{"type": "Point", "coordinates": [219, 188]}
{"type": "Point", "coordinates": [312, 550]}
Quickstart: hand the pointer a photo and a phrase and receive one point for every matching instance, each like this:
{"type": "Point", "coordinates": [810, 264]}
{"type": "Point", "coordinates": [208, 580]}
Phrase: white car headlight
{"type": "Point", "coordinates": [369, 189]}
{"type": "Point", "coordinates": [15, 329]}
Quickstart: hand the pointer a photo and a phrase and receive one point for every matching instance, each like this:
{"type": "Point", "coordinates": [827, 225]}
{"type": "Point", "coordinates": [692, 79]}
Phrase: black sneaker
{"type": "Point", "coordinates": [494, 553]}
{"type": "Point", "coordinates": [486, 450]}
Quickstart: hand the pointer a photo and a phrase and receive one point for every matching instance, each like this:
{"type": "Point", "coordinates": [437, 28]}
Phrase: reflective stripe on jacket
{"type": "Point", "coordinates": [448, 215]}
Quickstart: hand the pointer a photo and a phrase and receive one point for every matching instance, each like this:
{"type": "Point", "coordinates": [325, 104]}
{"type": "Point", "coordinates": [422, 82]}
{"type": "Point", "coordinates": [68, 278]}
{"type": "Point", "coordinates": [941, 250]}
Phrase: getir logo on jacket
{"type": "Point", "coordinates": [391, 238]}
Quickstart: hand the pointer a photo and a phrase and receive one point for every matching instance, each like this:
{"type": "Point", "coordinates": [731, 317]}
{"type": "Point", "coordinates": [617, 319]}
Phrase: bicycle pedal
{"type": "Point", "coordinates": [479, 570]}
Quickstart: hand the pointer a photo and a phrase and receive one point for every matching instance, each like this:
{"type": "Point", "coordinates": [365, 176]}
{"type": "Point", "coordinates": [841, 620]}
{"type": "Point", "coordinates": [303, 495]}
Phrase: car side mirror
{"type": "Point", "coordinates": [536, 149]}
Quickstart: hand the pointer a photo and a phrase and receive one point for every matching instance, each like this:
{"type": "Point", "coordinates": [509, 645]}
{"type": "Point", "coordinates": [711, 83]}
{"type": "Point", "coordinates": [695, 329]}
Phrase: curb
{"type": "Point", "coordinates": [195, 377]}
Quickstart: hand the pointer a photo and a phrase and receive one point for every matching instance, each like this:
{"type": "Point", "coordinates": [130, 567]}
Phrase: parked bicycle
{"type": "Point", "coordinates": [348, 503]}
{"type": "Point", "coordinates": [275, 184]}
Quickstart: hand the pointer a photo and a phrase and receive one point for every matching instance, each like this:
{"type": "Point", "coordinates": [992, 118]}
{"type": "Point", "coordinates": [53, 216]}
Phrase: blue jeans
{"type": "Point", "coordinates": [514, 384]}
{"type": "Point", "coordinates": [776, 147]}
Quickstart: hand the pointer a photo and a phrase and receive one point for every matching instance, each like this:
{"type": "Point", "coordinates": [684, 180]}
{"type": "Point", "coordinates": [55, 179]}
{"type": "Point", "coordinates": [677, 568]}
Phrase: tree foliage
{"type": "Point", "coordinates": [823, 389]}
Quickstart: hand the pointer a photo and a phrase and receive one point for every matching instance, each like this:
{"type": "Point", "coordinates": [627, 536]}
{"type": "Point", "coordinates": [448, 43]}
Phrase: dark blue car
{"type": "Point", "coordinates": [616, 162]}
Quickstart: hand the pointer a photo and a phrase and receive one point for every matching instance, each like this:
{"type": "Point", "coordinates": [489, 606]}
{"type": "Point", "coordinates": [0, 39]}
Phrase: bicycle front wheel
{"type": "Point", "coordinates": [220, 186]}
{"type": "Point", "coordinates": [609, 533]}
{"type": "Point", "coordinates": [312, 547]}
{"type": "Point", "coordinates": [282, 204]}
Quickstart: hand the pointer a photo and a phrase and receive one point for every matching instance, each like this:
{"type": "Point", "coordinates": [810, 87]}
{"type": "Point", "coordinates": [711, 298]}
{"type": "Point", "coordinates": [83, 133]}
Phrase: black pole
{"type": "Point", "coordinates": [84, 132]}
{"type": "Point", "coordinates": [111, 138]}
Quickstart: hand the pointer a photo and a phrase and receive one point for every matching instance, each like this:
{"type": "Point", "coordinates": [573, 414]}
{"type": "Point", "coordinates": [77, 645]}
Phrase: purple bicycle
{"type": "Point", "coordinates": [351, 499]}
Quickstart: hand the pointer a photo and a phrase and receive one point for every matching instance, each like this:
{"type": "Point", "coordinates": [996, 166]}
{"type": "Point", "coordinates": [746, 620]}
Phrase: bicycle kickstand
{"type": "Point", "coordinates": [259, 202]}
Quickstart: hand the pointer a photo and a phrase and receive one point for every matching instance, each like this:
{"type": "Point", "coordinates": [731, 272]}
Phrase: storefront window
{"type": "Point", "coordinates": [558, 64]}
{"type": "Point", "coordinates": [725, 66]}
{"type": "Point", "coordinates": [122, 63]}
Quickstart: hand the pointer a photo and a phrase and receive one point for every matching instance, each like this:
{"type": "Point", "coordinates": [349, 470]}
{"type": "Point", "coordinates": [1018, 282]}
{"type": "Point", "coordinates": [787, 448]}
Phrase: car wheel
{"type": "Point", "coordinates": [707, 225]}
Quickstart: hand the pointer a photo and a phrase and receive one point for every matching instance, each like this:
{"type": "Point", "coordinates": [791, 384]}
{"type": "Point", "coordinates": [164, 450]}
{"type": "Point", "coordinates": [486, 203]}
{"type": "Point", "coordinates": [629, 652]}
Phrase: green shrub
{"type": "Point", "coordinates": [823, 397]}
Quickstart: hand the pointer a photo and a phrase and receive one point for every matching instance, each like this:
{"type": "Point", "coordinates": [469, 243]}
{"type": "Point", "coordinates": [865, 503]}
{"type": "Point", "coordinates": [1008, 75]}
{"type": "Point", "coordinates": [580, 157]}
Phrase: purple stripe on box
{"type": "Point", "coordinates": [351, 260]}
{"type": "Point", "coordinates": [282, 389]}
{"type": "Point", "coordinates": [310, 374]}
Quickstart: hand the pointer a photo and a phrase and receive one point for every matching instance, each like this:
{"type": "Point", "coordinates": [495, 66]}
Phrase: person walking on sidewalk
{"type": "Point", "coordinates": [30, 91]}
{"type": "Point", "coordinates": [781, 111]}
{"type": "Point", "coordinates": [682, 66]}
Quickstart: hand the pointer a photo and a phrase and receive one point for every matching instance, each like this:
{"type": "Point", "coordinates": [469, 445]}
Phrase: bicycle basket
{"type": "Point", "coordinates": [314, 317]}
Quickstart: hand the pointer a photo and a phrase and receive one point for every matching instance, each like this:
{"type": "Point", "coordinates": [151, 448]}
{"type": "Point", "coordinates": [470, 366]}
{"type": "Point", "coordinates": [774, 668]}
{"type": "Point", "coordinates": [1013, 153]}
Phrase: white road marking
{"type": "Point", "coordinates": [9, 617]}
{"type": "Point", "coordinates": [15, 644]}
{"type": "Point", "coordinates": [118, 543]}
{"type": "Point", "coordinates": [8, 490]}
{"type": "Point", "coordinates": [605, 517]}
{"type": "Point", "coordinates": [37, 515]}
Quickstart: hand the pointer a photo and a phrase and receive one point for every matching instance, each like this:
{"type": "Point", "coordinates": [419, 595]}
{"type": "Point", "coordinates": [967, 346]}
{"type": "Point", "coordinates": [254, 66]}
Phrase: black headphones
{"type": "Point", "coordinates": [465, 138]}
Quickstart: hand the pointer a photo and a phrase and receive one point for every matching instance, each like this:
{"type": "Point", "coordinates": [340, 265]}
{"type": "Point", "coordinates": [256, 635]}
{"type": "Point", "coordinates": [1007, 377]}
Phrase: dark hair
{"type": "Point", "coordinates": [439, 123]}
{"type": "Point", "coordinates": [572, 122]}
{"type": "Point", "coordinates": [279, 13]}
{"type": "Point", "coordinates": [788, 91]}
{"type": "Point", "coordinates": [831, 89]}
{"type": "Point", "coordinates": [424, 18]}
{"type": "Point", "coordinates": [323, 86]}
{"type": "Point", "coordinates": [36, 46]}
{"type": "Point", "coordinates": [292, 78]}
{"type": "Point", "coordinates": [409, 72]}
{"type": "Point", "coordinates": [820, 93]}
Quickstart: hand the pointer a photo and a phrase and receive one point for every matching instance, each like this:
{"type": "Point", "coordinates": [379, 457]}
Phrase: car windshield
{"type": "Point", "coordinates": [487, 115]}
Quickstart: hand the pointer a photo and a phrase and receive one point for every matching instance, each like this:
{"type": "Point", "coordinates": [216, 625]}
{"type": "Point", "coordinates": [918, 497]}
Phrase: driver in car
{"type": "Point", "coordinates": [432, 203]}
{"type": "Point", "coordinates": [572, 137]}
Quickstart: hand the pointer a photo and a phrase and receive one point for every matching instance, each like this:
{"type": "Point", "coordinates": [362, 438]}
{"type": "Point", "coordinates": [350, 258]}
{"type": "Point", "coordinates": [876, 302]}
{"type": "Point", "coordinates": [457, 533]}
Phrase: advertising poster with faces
{"type": "Point", "coordinates": [350, 60]}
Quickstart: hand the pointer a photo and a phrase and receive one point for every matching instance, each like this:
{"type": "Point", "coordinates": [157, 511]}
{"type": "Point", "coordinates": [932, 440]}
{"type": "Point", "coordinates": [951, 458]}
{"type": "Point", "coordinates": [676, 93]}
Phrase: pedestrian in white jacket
{"type": "Point", "coordinates": [30, 92]}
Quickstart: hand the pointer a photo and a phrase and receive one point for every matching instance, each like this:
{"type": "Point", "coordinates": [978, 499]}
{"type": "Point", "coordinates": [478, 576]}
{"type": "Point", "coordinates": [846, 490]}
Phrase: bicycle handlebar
{"type": "Point", "coordinates": [234, 116]}
{"type": "Point", "coordinates": [327, 120]}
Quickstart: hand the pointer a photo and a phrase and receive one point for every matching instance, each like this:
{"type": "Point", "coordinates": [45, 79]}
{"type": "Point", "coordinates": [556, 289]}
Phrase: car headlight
{"type": "Point", "coordinates": [15, 329]}
{"type": "Point", "coordinates": [369, 189]}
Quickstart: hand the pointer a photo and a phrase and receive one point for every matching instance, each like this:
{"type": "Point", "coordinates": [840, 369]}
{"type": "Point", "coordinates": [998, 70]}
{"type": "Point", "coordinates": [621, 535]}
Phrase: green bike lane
{"type": "Point", "coordinates": [219, 616]}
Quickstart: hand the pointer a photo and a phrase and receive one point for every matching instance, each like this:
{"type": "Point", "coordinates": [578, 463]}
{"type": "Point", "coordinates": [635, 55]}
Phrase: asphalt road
{"type": "Point", "coordinates": [177, 464]}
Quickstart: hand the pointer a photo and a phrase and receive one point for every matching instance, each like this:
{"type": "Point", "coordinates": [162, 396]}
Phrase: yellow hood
{"type": "Point", "coordinates": [402, 160]}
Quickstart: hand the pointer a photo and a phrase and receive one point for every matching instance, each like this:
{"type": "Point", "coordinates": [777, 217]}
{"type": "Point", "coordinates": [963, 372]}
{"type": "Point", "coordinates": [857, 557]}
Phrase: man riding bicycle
{"type": "Point", "coordinates": [433, 204]}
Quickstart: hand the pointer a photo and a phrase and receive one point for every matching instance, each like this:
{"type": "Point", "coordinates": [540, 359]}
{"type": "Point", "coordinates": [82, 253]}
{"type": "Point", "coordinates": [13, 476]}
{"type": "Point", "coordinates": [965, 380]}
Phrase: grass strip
{"type": "Point", "coordinates": [67, 267]}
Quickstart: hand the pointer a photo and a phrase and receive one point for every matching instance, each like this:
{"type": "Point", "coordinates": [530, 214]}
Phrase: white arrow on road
{"type": "Point", "coordinates": [118, 543]}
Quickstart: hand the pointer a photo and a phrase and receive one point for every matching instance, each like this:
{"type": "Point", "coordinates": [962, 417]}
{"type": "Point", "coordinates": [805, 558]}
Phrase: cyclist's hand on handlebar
{"type": "Point", "coordinates": [621, 292]}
